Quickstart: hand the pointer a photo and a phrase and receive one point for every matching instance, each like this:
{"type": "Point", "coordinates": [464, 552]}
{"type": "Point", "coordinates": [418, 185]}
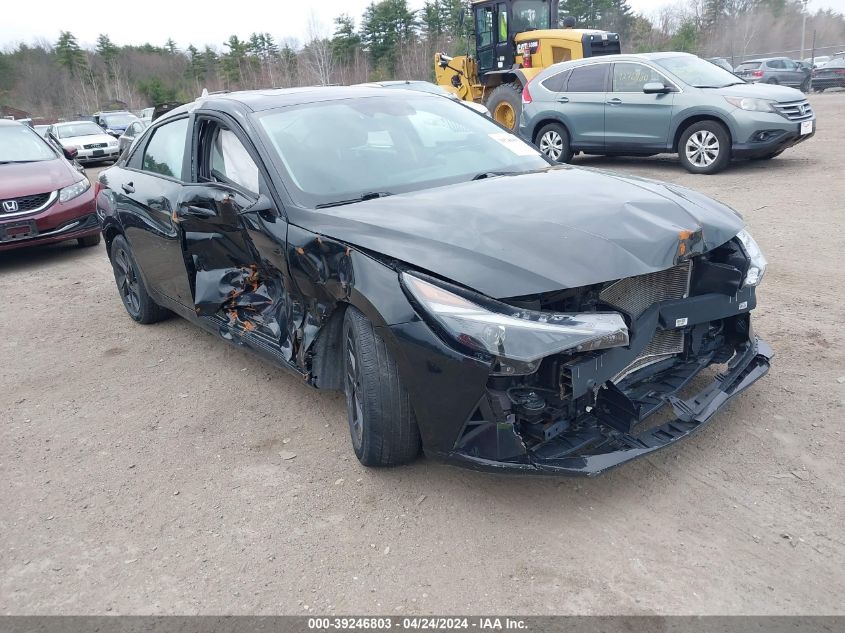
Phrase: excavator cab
{"type": "Point", "coordinates": [515, 40]}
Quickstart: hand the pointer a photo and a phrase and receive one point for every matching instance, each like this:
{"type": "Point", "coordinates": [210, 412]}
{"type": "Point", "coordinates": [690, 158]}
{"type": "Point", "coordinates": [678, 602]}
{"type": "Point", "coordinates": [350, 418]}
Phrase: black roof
{"type": "Point", "coordinates": [268, 99]}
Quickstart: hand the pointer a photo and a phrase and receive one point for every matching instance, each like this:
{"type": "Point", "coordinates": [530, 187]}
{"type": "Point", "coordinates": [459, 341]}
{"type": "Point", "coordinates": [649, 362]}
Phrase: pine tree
{"type": "Point", "coordinates": [69, 55]}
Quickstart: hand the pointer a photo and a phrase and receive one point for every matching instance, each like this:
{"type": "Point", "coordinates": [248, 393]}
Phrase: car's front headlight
{"type": "Point", "coordinates": [518, 338]}
{"type": "Point", "coordinates": [751, 104]}
{"type": "Point", "coordinates": [756, 261]}
{"type": "Point", "coordinates": [72, 191]}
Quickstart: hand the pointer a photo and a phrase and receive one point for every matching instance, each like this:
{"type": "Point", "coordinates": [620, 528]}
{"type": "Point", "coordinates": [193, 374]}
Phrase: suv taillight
{"type": "Point", "coordinates": [526, 95]}
{"type": "Point", "coordinates": [757, 73]}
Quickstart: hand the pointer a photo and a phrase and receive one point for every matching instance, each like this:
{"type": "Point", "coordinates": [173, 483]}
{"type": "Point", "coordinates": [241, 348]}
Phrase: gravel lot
{"type": "Point", "coordinates": [142, 466]}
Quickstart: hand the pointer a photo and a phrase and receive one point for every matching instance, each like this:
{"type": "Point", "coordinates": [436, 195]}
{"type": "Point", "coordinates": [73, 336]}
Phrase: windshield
{"type": "Point", "coordinates": [698, 73]}
{"type": "Point", "coordinates": [345, 149]}
{"type": "Point", "coordinates": [119, 120]}
{"type": "Point", "coordinates": [530, 15]}
{"type": "Point", "coordinates": [82, 128]}
{"type": "Point", "coordinates": [20, 144]}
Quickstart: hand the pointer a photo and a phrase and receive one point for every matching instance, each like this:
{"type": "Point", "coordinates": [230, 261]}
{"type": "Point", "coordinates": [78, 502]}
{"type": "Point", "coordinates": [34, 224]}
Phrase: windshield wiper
{"type": "Point", "coordinates": [735, 83]}
{"type": "Point", "coordinates": [17, 162]}
{"type": "Point", "coordinates": [491, 174]}
{"type": "Point", "coordinates": [370, 195]}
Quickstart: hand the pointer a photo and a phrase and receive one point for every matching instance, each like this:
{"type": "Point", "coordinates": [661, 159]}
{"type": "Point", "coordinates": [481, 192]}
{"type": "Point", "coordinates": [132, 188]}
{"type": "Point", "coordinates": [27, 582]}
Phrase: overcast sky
{"type": "Point", "coordinates": [203, 22]}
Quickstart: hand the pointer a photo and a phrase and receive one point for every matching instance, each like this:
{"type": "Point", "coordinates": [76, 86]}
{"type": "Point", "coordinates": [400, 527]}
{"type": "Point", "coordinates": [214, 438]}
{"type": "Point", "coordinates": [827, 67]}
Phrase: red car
{"type": "Point", "coordinates": [43, 198]}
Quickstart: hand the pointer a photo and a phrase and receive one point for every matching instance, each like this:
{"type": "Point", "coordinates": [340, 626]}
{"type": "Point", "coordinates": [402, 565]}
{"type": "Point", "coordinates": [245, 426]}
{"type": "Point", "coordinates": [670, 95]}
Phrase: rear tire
{"type": "Point", "coordinates": [705, 148]}
{"type": "Point", "coordinates": [381, 420]}
{"type": "Point", "coordinates": [130, 285]}
{"type": "Point", "coordinates": [553, 143]}
{"type": "Point", "coordinates": [88, 240]}
{"type": "Point", "coordinates": [505, 105]}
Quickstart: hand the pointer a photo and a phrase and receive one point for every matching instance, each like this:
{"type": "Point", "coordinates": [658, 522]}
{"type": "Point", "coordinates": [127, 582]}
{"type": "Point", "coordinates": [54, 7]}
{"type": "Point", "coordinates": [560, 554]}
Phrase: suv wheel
{"type": "Point", "coordinates": [381, 421]}
{"type": "Point", "coordinates": [553, 142]}
{"type": "Point", "coordinates": [705, 148]}
{"type": "Point", "coordinates": [138, 303]}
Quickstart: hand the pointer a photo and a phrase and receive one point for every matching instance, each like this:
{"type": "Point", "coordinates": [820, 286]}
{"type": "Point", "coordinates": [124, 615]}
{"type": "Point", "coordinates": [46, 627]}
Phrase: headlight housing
{"type": "Point", "coordinates": [756, 261]}
{"type": "Point", "coordinates": [72, 191]}
{"type": "Point", "coordinates": [517, 338]}
{"type": "Point", "coordinates": [751, 104]}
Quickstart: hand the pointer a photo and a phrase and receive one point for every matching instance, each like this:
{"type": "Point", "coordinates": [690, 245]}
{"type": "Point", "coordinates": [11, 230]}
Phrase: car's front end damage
{"type": "Point", "coordinates": [588, 408]}
{"type": "Point", "coordinates": [564, 377]}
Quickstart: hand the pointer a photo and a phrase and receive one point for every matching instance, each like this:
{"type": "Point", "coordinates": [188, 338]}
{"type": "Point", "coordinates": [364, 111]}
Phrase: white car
{"type": "Point", "coordinates": [92, 144]}
{"type": "Point", "coordinates": [818, 61]}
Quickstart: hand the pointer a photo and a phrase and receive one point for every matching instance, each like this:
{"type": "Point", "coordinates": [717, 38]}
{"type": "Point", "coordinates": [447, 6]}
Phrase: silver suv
{"type": "Point", "coordinates": [775, 70]}
{"type": "Point", "coordinates": [657, 103]}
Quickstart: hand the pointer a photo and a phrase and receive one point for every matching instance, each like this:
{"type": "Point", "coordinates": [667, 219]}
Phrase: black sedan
{"type": "Point", "coordinates": [831, 75]}
{"type": "Point", "coordinates": [470, 298]}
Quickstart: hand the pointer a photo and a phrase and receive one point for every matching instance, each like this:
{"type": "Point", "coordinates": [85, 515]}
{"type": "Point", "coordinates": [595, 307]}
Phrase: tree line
{"type": "Point", "coordinates": [390, 40]}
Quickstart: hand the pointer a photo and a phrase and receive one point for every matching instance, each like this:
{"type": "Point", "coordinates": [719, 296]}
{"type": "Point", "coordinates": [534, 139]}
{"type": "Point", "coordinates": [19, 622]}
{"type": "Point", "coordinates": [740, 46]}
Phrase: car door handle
{"type": "Point", "coordinates": [563, 100]}
{"type": "Point", "coordinates": [614, 101]}
{"type": "Point", "coordinates": [128, 187]}
{"type": "Point", "coordinates": [191, 211]}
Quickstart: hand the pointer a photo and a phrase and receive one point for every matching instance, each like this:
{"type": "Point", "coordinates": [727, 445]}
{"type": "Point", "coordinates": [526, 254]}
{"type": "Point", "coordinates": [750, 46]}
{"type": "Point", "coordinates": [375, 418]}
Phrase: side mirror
{"type": "Point", "coordinates": [70, 152]}
{"type": "Point", "coordinates": [655, 88]}
{"type": "Point", "coordinates": [262, 205]}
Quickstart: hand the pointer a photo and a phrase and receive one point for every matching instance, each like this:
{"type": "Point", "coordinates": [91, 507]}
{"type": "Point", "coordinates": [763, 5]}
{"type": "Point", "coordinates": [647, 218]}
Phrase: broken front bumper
{"type": "Point", "coordinates": [606, 447]}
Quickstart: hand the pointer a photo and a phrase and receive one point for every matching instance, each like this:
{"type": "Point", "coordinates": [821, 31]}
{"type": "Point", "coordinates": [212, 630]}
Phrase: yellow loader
{"type": "Point", "coordinates": [514, 41]}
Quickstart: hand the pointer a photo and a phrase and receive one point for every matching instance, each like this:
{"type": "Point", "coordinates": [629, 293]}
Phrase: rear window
{"type": "Point", "coordinates": [556, 83]}
{"type": "Point", "coordinates": [591, 78]}
{"type": "Point", "coordinates": [748, 66]}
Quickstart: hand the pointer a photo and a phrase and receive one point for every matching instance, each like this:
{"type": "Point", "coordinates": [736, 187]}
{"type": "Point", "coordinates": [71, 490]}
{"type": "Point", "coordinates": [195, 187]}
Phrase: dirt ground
{"type": "Point", "coordinates": [142, 469]}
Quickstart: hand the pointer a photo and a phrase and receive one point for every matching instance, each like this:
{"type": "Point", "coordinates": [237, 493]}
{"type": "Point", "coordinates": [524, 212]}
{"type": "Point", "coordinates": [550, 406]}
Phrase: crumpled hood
{"type": "Point", "coordinates": [531, 233]}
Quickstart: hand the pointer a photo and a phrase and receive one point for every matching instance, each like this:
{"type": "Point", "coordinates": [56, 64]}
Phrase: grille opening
{"type": "Point", "coordinates": [635, 295]}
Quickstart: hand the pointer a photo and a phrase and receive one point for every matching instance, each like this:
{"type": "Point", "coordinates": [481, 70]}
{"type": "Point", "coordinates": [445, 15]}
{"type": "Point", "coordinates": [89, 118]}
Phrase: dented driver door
{"type": "Point", "coordinates": [229, 284]}
{"type": "Point", "coordinates": [233, 239]}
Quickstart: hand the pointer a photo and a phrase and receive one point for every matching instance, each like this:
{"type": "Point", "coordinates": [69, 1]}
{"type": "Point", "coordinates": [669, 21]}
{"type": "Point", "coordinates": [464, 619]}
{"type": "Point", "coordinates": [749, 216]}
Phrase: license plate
{"type": "Point", "coordinates": [17, 231]}
{"type": "Point", "coordinates": [806, 127]}
{"type": "Point", "coordinates": [99, 152]}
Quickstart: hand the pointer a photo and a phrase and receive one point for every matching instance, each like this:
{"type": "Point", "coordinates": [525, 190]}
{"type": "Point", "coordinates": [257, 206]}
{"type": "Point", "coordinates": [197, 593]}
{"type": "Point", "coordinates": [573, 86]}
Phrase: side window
{"type": "Point", "coordinates": [166, 149]}
{"type": "Point", "coordinates": [229, 161]}
{"type": "Point", "coordinates": [789, 64]}
{"type": "Point", "coordinates": [592, 78]}
{"type": "Point", "coordinates": [777, 64]}
{"type": "Point", "coordinates": [629, 77]}
{"type": "Point", "coordinates": [502, 10]}
{"type": "Point", "coordinates": [484, 26]}
{"type": "Point", "coordinates": [557, 83]}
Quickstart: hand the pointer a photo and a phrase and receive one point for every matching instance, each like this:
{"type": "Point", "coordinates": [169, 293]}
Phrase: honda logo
{"type": "Point", "coordinates": [10, 206]}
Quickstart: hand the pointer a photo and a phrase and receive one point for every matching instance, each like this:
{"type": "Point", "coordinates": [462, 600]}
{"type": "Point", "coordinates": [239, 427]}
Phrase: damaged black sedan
{"type": "Point", "coordinates": [470, 298]}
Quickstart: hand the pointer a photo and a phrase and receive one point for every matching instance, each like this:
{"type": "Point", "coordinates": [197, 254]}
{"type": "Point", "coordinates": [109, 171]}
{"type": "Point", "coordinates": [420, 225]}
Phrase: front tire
{"type": "Point", "coordinates": [381, 420]}
{"type": "Point", "coordinates": [137, 301]}
{"type": "Point", "coordinates": [705, 147]}
{"type": "Point", "coordinates": [553, 143]}
{"type": "Point", "coordinates": [505, 104]}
